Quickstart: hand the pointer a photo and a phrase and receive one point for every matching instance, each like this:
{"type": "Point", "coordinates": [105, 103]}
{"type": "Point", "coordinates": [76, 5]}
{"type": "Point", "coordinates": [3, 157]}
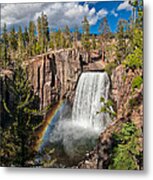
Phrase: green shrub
{"type": "Point", "coordinates": [126, 153]}
{"type": "Point", "coordinates": [134, 60]}
{"type": "Point", "coordinates": [136, 83]}
{"type": "Point", "coordinates": [108, 107]}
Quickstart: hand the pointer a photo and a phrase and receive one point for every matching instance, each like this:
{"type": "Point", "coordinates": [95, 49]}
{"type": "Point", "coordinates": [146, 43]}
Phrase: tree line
{"type": "Point", "coordinates": [23, 114]}
{"type": "Point", "coordinates": [126, 153]}
{"type": "Point", "coordinates": [38, 38]}
{"type": "Point", "coordinates": [33, 40]}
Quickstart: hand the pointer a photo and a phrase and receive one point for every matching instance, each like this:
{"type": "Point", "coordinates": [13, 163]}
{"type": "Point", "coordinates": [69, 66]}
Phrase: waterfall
{"type": "Point", "coordinates": [91, 87]}
{"type": "Point", "coordinates": [79, 132]}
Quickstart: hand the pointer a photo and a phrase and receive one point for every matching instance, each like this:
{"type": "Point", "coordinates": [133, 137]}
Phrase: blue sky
{"type": "Point", "coordinates": [71, 13]}
{"type": "Point", "coordinates": [111, 8]}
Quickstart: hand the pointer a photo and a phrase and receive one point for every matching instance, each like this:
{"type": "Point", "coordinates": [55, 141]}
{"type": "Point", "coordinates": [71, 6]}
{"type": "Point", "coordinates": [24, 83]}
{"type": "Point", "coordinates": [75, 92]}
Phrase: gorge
{"type": "Point", "coordinates": [71, 86]}
{"type": "Point", "coordinates": [56, 77]}
{"type": "Point", "coordinates": [71, 80]}
{"type": "Point", "coordinates": [76, 130]}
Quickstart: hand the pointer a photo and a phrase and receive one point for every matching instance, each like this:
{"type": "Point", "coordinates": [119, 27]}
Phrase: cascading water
{"type": "Point", "coordinates": [78, 134]}
{"type": "Point", "coordinates": [91, 87]}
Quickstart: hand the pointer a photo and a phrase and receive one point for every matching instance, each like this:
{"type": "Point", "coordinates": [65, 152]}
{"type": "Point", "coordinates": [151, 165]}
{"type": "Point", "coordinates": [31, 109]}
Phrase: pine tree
{"type": "Point", "coordinates": [39, 29]}
{"type": "Point", "coordinates": [135, 58]}
{"type": "Point", "coordinates": [52, 40]}
{"type": "Point", "coordinates": [86, 36]}
{"type": "Point", "coordinates": [23, 118]}
{"type": "Point", "coordinates": [104, 30]}
{"type": "Point", "coordinates": [67, 37]}
{"type": "Point", "coordinates": [12, 43]}
{"type": "Point", "coordinates": [5, 58]}
{"type": "Point", "coordinates": [75, 36]}
{"type": "Point", "coordinates": [127, 150]}
{"type": "Point", "coordinates": [93, 42]}
{"type": "Point", "coordinates": [20, 43]}
{"type": "Point", "coordinates": [121, 46]}
{"type": "Point", "coordinates": [1, 59]}
{"type": "Point", "coordinates": [59, 39]}
{"type": "Point", "coordinates": [26, 38]}
{"type": "Point", "coordinates": [45, 31]}
{"type": "Point", "coordinates": [18, 138]}
{"type": "Point", "coordinates": [32, 39]}
{"type": "Point", "coordinates": [40, 36]}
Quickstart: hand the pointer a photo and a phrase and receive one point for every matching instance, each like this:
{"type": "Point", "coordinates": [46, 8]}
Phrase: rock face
{"type": "Point", "coordinates": [54, 75]}
{"type": "Point", "coordinates": [121, 94]}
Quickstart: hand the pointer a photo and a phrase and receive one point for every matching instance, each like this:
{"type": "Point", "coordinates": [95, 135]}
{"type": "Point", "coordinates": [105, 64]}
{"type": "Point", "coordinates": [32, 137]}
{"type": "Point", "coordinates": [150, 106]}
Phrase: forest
{"type": "Point", "coordinates": [20, 112]}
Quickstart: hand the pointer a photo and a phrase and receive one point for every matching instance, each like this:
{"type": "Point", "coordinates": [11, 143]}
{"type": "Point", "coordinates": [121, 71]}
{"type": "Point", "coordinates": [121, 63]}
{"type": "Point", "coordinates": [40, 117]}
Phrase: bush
{"type": "Point", "coordinates": [107, 107]}
{"type": "Point", "coordinates": [134, 60]}
{"type": "Point", "coordinates": [136, 83]}
{"type": "Point", "coordinates": [126, 153]}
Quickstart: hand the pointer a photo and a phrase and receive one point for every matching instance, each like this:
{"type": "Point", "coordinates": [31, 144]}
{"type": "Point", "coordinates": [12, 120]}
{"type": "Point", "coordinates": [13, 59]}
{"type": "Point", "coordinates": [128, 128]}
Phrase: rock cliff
{"type": "Point", "coordinates": [121, 94]}
{"type": "Point", "coordinates": [54, 75]}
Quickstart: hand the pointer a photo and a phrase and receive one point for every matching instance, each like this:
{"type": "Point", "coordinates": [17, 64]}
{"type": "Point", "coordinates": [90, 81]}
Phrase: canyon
{"type": "Point", "coordinates": [54, 76]}
{"type": "Point", "coordinates": [121, 93]}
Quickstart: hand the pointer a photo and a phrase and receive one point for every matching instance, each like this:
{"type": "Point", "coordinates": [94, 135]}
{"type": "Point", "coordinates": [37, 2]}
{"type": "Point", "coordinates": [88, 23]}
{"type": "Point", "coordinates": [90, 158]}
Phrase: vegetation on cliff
{"type": "Point", "coordinates": [20, 109]}
{"type": "Point", "coordinates": [127, 150]}
{"type": "Point", "coordinates": [126, 154]}
{"type": "Point", "coordinates": [21, 119]}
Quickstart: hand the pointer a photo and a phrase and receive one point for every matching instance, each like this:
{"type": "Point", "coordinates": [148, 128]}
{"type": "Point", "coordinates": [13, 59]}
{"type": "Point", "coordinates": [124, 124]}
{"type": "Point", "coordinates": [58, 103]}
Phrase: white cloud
{"type": "Point", "coordinates": [102, 13]}
{"type": "Point", "coordinates": [114, 13]}
{"type": "Point", "coordinates": [124, 6]}
{"type": "Point", "coordinates": [91, 2]}
{"type": "Point", "coordinates": [59, 14]}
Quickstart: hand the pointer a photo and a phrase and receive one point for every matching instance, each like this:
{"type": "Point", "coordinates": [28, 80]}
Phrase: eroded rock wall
{"type": "Point", "coordinates": [54, 75]}
{"type": "Point", "coordinates": [121, 94]}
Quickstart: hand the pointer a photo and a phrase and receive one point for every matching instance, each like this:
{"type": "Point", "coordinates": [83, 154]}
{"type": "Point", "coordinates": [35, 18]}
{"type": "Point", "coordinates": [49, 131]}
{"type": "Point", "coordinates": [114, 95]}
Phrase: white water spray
{"type": "Point", "coordinates": [78, 133]}
{"type": "Point", "coordinates": [91, 87]}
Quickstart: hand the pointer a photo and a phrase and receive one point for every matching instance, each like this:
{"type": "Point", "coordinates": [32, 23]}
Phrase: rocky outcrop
{"type": "Point", "coordinates": [54, 75]}
{"type": "Point", "coordinates": [121, 94]}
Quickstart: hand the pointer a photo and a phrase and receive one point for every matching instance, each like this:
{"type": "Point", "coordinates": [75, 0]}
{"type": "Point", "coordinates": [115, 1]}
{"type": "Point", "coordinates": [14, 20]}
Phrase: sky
{"type": "Point", "coordinates": [61, 14]}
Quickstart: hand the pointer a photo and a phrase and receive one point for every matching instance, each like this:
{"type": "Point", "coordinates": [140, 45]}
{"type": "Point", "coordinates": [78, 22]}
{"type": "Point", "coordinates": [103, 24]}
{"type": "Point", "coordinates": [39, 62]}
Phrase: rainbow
{"type": "Point", "coordinates": [43, 131]}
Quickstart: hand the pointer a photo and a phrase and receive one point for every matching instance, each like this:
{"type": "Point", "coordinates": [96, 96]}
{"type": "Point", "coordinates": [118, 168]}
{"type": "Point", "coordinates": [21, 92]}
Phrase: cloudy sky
{"type": "Point", "coordinates": [69, 13]}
